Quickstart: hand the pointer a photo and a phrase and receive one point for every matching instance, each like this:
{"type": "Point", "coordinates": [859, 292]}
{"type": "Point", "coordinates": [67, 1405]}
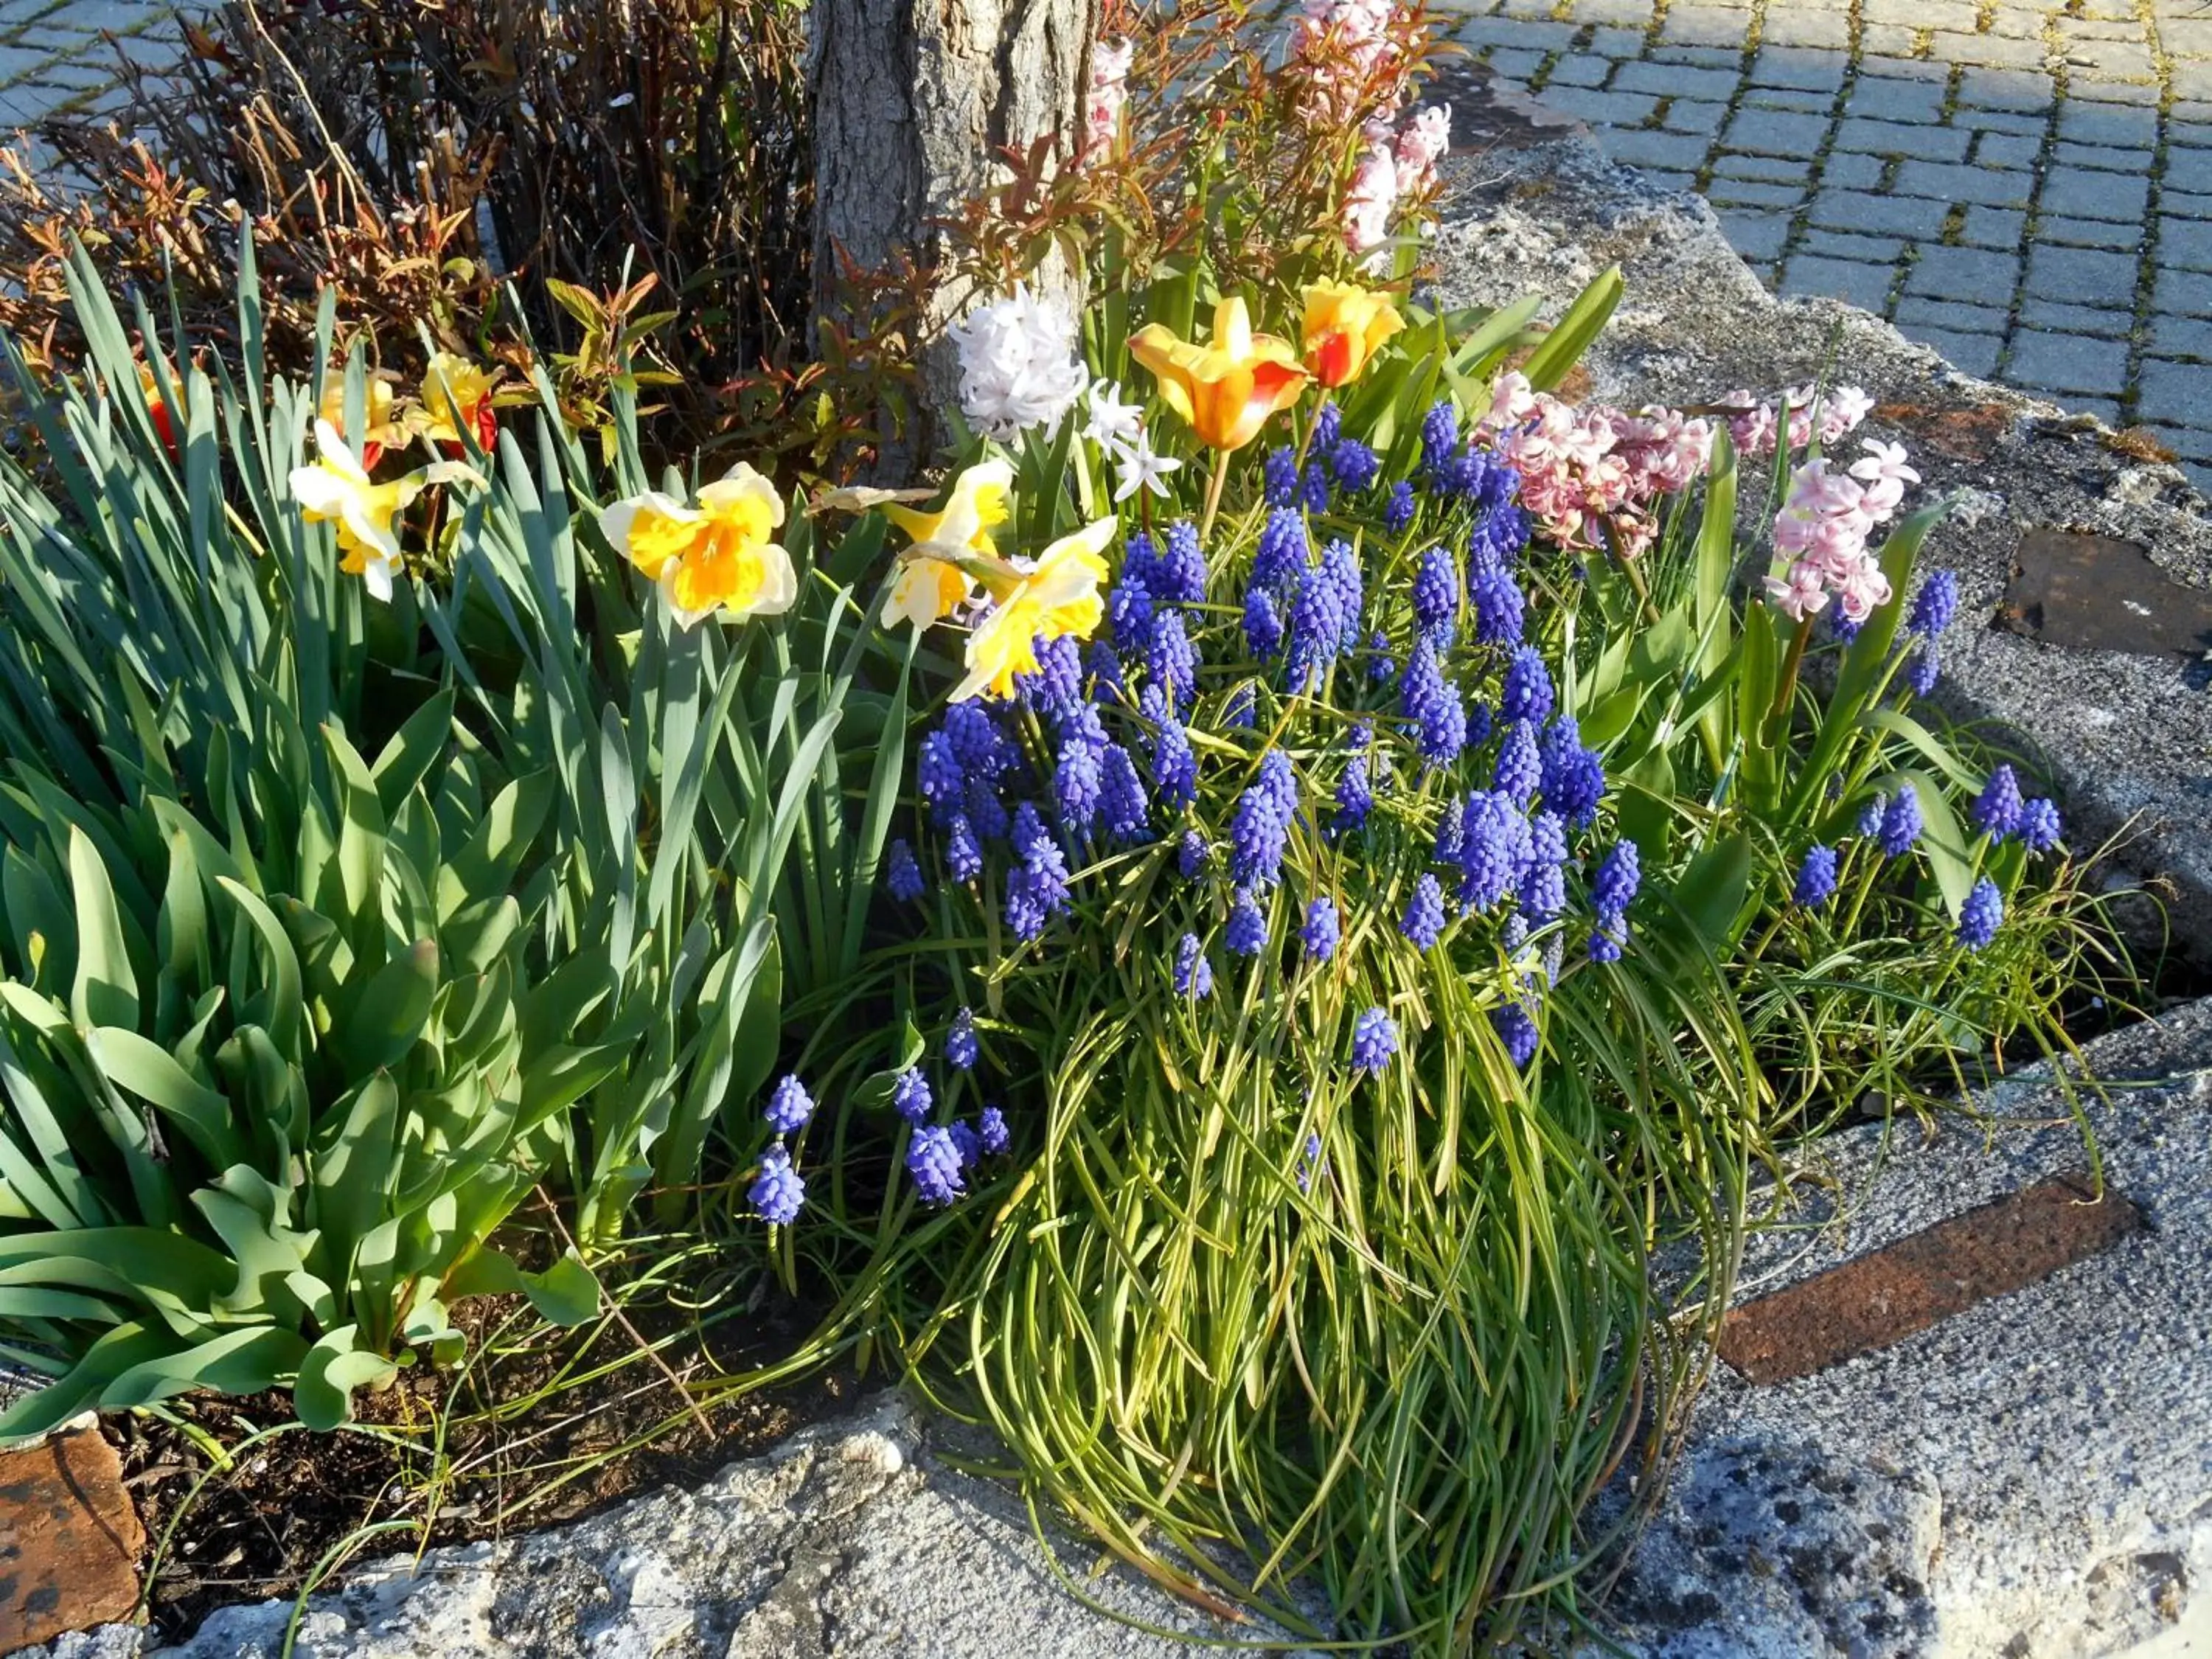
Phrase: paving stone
{"type": "Point", "coordinates": [2187, 292]}
{"type": "Point", "coordinates": [1777, 169]}
{"type": "Point", "coordinates": [2060, 362]}
{"type": "Point", "coordinates": [2000, 120]}
{"type": "Point", "coordinates": [1519, 68]}
{"type": "Point", "coordinates": [1890, 40]}
{"type": "Point", "coordinates": [1863, 285]}
{"type": "Point", "coordinates": [1675, 81]}
{"type": "Point", "coordinates": [1901, 139]}
{"type": "Point", "coordinates": [1681, 152]}
{"type": "Point", "coordinates": [2100, 196]}
{"type": "Point", "coordinates": [2090, 233]}
{"type": "Point", "coordinates": [1785, 98]}
{"type": "Point", "coordinates": [2181, 337]}
{"type": "Point", "coordinates": [1880, 98]}
{"type": "Point", "coordinates": [2104, 158]}
{"type": "Point", "coordinates": [1757, 236]}
{"type": "Point", "coordinates": [1796, 67]}
{"type": "Point", "coordinates": [1694, 115]}
{"type": "Point", "coordinates": [1577, 70]}
{"type": "Point", "coordinates": [68, 1540]}
{"type": "Point", "coordinates": [2098, 123]}
{"type": "Point", "coordinates": [1666, 181]}
{"type": "Point", "coordinates": [1614, 109]}
{"type": "Point", "coordinates": [1976, 354]}
{"type": "Point", "coordinates": [1944, 181]}
{"type": "Point", "coordinates": [2080, 276]}
{"type": "Point", "coordinates": [2003, 149]}
{"type": "Point", "coordinates": [1754, 192]}
{"type": "Point", "coordinates": [1988, 51]}
{"type": "Point", "coordinates": [1991, 227]}
{"type": "Point", "coordinates": [2170, 392]}
{"type": "Point", "coordinates": [1893, 216]}
{"type": "Point", "coordinates": [1527, 33]}
{"type": "Point", "coordinates": [2005, 89]}
{"type": "Point", "coordinates": [1808, 28]}
{"type": "Point", "coordinates": [2061, 319]}
{"type": "Point", "coordinates": [1846, 171]}
{"type": "Point", "coordinates": [2185, 242]}
{"type": "Point", "coordinates": [1963, 273]}
{"type": "Point", "coordinates": [2189, 170]}
{"type": "Point", "coordinates": [1776, 133]}
{"type": "Point", "coordinates": [1915, 312]}
{"type": "Point", "coordinates": [1864, 250]}
{"type": "Point", "coordinates": [1730, 58]}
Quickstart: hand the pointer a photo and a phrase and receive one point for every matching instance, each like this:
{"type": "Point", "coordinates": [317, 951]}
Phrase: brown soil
{"type": "Point", "coordinates": [292, 1506]}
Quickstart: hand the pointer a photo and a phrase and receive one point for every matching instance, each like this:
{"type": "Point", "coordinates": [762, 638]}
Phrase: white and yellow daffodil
{"type": "Point", "coordinates": [335, 489]}
{"type": "Point", "coordinates": [933, 580]}
{"type": "Point", "coordinates": [1055, 598]}
{"type": "Point", "coordinates": [718, 555]}
{"type": "Point", "coordinates": [453, 385]}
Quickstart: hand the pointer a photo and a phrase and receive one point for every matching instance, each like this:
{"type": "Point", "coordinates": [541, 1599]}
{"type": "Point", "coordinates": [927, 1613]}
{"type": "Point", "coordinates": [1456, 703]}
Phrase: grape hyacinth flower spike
{"type": "Point", "coordinates": [1374, 1041]}
{"type": "Point", "coordinates": [778, 1193]}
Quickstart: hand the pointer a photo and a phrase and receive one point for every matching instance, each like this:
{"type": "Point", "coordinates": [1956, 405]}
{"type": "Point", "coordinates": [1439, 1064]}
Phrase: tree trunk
{"type": "Point", "coordinates": [912, 100]}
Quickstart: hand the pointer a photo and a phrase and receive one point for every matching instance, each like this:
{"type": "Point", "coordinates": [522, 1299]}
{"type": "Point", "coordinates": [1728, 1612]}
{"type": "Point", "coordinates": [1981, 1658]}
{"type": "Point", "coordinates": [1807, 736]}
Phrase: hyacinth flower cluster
{"type": "Point", "coordinates": [1268, 746]}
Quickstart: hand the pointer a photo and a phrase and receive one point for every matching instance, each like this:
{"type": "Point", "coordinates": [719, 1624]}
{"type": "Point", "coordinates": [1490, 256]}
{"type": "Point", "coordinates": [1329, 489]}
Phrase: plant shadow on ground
{"type": "Point", "coordinates": [540, 1426]}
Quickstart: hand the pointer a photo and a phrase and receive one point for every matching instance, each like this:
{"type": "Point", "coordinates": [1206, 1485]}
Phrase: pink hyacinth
{"type": "Point", "coordinates": [1368, 205]}
{"type": "Point", "coordinates": [1421, 143]}
{"type": "Point", "coordinates": [1102, 101]}
{"type": "Point", "coordinates": [1822, 530]}
{"type": "Point", "coordinates": [1342, 45]}
{"type": "Point", "coordinates": [1581, 466]}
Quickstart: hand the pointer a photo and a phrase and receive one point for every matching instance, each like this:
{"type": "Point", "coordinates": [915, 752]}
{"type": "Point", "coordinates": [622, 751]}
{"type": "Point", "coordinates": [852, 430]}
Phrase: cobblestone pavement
{"type": "Point", "coordinates": [2025, 185]}
{"type": "Point", "coordinates": [53, 59]}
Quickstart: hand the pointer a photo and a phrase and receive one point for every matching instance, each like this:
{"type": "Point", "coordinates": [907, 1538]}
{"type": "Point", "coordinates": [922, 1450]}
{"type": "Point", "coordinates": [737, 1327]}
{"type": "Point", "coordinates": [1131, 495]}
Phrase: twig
{"type": "Point", "coordinates": [614, 1309]}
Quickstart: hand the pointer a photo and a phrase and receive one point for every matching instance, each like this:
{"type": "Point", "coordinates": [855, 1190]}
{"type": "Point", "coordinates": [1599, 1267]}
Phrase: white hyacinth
{"type": "Point", "coordinates": [1018, 365]}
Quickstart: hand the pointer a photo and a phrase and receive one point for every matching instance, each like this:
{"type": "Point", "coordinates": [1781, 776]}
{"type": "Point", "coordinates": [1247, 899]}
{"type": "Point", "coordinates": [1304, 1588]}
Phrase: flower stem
{"type": "Point", "coordinates": [1785, 694]}
{"type": "Point", "coordinates": [1213, 495]}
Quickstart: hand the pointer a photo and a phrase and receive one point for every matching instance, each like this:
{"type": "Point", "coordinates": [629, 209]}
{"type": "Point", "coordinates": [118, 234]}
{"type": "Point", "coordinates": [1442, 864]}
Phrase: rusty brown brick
{"type": "Point", "coordinates": [1888, 1295]}
{"type": "Point", "coordinates": [68, 1540]}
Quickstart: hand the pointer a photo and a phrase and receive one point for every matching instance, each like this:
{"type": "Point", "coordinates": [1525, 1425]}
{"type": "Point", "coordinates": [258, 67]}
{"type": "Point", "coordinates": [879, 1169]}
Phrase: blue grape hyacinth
{"type": "Point", "coordinates": [962, 1050]}
{"type": "Point", "coordinates": [1322, 930]}
{"type": "Point", "coordinates": [1355, 797]}
{"type": "Point", "coordinates": [933, 1158]}
{"type": "Point", "coordinates": [1528, 690]}
{"type": "Point", "coordinates": [778, 1193]}
{"type": "Point", "coordinates": [2039, 828]}
{"type": "Point", "coordinates": [1374, 1041]}
{"type": "Point", "coordinates": [1247, 932]}
{"type": "Point", "coordinates": [991, 1130]}
{"type": "Point", "coordinates": [1398, 511]}
{"type": "Point", "coordinates": [1934, 605]}
{"type": "Point", "coordinates": [1816, 878]}
{"type": "Point", "coordinates": [903, 875]}
{"type": "Point", "coordinates": [788, 1107]}
{"type": "Point", "coordinates": [1900, 822]}
{"type": "Point", "coordinates": [1514, 1023]}
{"type": "Point", "coordinates": [1980, 915]}
{"type": "Point", "coordinates": [1260, 834]}
{"type": "Point", "coordinates": [1998, 808]}
{"type": "Point", "coordinates": [1191, 855]}
{"type": "Point", "coordinates": [1436, 595]}
{"type": "Point", "coordinates": [910, 1096]}
{"type": "Point", "coordinates": [1194, 974]}
{"type": "Point", "coordinates": [1424, 922]}
{"type": "Point", "coordinates": [1520, 765]}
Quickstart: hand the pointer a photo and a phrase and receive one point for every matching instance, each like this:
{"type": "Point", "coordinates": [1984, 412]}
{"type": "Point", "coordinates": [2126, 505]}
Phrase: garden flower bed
{"type": "Point", "coordinates": [1221, 937]}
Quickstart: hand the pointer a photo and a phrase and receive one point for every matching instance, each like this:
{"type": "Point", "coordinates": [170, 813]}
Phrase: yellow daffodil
{"type": "Point", "coordinates": [932, 582]}
{"type": "Point", "coordinates": [1225, 390]}
{"type": "Point", "coordinates": [1057, 597]}
{"type": "Point", "coordinates": [716, 556]}
{"type": "Point", "coordinates": [1346, 326]}
{"type": "Point", "coordinates": [337, 489]}
{"type": "Point", "coordinates": [452, 385]}
{"type": "Point", "coordinates": [383, 432]}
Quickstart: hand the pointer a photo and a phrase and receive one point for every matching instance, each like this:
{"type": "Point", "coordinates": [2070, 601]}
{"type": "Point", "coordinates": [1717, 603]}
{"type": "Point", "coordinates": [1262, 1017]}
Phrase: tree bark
{"type": "Point", "coordinates": [912, 100]}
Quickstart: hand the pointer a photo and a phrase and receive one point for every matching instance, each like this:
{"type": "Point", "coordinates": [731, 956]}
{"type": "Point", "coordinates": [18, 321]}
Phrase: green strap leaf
{"type": "Point", "coordinates": [106, 990]}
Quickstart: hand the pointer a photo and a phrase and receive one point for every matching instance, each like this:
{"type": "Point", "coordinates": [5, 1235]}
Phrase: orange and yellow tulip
{"type": "Point", "coordinates": [1227, 389]}
{"type": "Point", "coordinates": [1346, 326]}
